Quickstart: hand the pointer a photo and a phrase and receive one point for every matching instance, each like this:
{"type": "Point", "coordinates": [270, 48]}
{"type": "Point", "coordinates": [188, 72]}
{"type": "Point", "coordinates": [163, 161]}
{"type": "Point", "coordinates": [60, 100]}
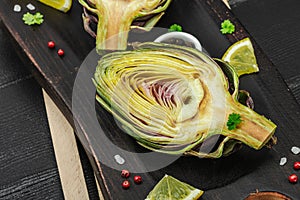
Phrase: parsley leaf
{"type": "Point", "coordinates": [233, 120]}
{"type": "Point", "coordinates": [227, 27]}
{"type": "Point", "coordinates": [38, 18]}
{"type": "Point", "coordinates": [28, 18]}
{"type": "Point", "coordinates": [31, 19]}
{"type": "Point", "coordinates": [175, 27]}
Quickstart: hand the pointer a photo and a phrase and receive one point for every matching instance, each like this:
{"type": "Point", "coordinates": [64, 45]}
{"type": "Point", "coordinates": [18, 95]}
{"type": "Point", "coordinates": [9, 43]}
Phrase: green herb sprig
{"type": "Point", "coordinates": [233, 120]}
{"type": "Point", "coordinates": [175, 27]}
{"type": "Point", "coordinates": [31, 19]}
{"type": "Point", "coordinates": [227, 27]}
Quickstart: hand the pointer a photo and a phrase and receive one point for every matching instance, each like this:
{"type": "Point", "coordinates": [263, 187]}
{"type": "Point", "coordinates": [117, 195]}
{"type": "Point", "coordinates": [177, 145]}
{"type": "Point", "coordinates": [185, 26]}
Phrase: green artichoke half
{"type": "Point", "coordinates": [115, 18]}
{"type": "Point", "coordinates": [177, 100]}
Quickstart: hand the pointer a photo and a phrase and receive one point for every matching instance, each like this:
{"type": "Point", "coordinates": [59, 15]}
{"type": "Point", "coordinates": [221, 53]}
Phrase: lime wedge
{"type": "Point", "coordinates": [241, 57]}
{"type": "Point", "coordinates": [169, 188]}
{"type": "Point", "coordinates": [62, 5]}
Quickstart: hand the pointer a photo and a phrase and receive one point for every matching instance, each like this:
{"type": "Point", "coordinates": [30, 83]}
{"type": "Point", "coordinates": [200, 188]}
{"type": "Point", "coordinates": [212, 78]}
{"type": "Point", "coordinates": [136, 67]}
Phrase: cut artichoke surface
{"type": "Point", "coordinates": [115, 18]}
{"type": "Point", "coordinates": [174, 99]}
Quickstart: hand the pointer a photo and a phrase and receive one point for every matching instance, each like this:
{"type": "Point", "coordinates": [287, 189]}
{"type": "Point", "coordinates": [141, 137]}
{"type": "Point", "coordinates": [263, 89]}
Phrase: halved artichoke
{"type": "Point", "coordinates": [177, 100]}
{"type": "Point", "coordinates": [114, 19]}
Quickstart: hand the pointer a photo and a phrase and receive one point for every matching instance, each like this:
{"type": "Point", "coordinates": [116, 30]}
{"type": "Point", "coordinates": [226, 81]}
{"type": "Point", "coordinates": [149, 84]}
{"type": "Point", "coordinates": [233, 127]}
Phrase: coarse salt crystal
{"type": "Point", "coordinates": [17, 8]}
{"type": "Point", "coordinates": [283, 161]}
{"type": "Point", "coordinates": [295, 150]}
{"type": "Point", "coordinates": [30, 6]}
{"type": "Point", "coordinates": [119, 159]}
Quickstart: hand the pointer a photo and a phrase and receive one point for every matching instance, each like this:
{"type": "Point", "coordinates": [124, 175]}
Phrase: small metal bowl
{"type": "Point", "coordinates": [183, 37]}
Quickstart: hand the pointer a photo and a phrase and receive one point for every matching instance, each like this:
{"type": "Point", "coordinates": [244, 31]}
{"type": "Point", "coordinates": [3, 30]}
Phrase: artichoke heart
{"type": "Point", "coordinates": [176, 100]}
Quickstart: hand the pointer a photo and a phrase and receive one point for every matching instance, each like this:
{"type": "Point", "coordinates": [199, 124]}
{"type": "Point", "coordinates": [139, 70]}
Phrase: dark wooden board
{"type": "Point", "coordinates": [27, 162]}
{"type": "Point", "coordinates": [233, 177]}
{"type": "Point", "coordinates": [278, 36]}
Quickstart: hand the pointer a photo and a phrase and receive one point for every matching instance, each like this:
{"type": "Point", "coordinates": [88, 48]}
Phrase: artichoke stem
{"type": "Point", "coordinates": [255, 130]}
{"type": "Point", "coordinates": [114, 23]}
{"type": "Point", "coordinates": [112, 36]}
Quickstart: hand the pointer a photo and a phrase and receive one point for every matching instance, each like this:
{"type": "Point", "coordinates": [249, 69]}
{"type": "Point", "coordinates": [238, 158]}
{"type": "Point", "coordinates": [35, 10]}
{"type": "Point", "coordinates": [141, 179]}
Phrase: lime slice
{"type": "Point", "coordinates": [169, 188]}
{"type": "Point", "coordinates": [241, 57]}
{"type": "Point", "coordinates": [62, 5]}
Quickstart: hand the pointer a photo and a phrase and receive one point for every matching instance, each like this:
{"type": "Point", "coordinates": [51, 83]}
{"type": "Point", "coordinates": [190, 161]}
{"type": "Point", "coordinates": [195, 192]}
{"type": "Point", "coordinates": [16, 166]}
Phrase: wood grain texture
{"type": "Point", "coordinates": [27, 164]}
{"type": "Point", "coordinates": [233, 177]}
{"type": "Point", "coordinates": [66, 153]}
{"type": "Point", "coordinates": [23, 182]}
{"type": "Point", "coordinates": [277, 33]}
{"type": "Point", "coordinates": [11, 68]}
{"type": "Point", "coordinates": [30, 180]}
{"type": "Point", "coordinates": [226, 3]}
{"type": "Point", "coordinates": [89, 175]}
